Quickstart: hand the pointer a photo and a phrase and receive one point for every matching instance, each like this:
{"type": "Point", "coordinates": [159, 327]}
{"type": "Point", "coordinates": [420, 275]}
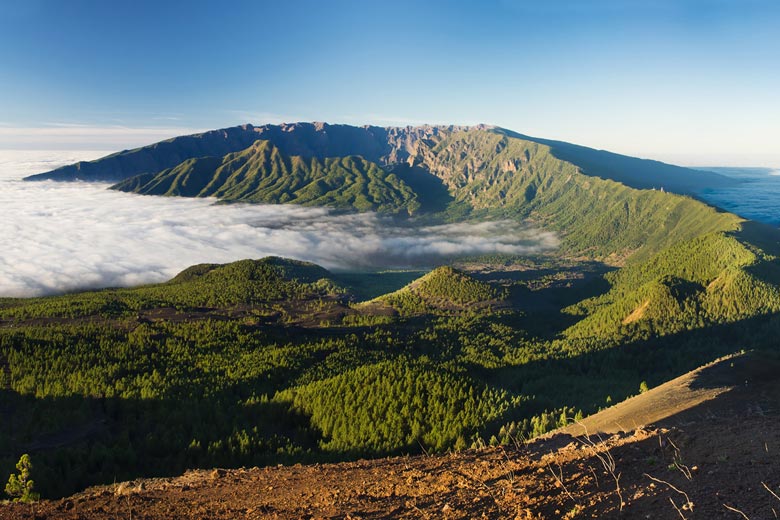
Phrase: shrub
{"type": "Point", "coordinates": [20, 487]}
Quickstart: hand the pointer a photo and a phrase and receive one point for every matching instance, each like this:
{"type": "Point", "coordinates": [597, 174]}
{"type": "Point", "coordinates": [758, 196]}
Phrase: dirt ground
{"type": "Point", "coordinates": [717, 457]}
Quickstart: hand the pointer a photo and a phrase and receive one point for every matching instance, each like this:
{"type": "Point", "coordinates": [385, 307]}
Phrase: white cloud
{"type": "Point", "coordinates": [65, 236]}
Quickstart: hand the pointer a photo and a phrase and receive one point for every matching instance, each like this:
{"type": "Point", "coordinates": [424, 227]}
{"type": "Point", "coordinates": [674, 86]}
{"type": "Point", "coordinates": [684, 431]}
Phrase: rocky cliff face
{"type": "Point", "coordinates": [377, 144]}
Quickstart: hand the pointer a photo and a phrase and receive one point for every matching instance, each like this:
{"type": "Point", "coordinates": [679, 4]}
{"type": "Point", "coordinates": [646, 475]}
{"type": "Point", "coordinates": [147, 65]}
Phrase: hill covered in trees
{"type": "Point", "coordinates": [443, 290]}
{"type": "Point", "coordinates": [269, 361]}
{"type": "Point", "coordinates": [273, 361]}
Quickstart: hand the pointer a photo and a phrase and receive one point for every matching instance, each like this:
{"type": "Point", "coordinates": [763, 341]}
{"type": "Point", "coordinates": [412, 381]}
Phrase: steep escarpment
{"type": "Point", "coordinates": [386, 146]}
{"type": "Point", "coordinates": [589, 197]}
{"type": "Point", "coordinates": [319, 140]}
{"type": "Point", "coordinates": [450, 173]}
{"type": "Point", "coordinates": [155, 157]}
{"type": "Point", "coordinates": [262, 173]}
{"type": "Point", "coordinates": [497, 175]}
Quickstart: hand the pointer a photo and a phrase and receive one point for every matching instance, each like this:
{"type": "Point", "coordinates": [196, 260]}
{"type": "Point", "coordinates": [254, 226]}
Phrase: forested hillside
{"type": "Point", "coordinates": [261, 362]}
{"type": "Point", "coordinates": [714, 278]}
{"type": "Point", "coordinates": [443, 290]}
{"type": "Point", "coordinates": [278, 361]}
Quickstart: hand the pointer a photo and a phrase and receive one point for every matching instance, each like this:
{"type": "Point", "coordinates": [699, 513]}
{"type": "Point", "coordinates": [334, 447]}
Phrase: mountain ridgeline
{"type": "Point", "coordinates": [592, 199]}
{"type": "Point", "coordinates": [382, 145]}
{"type": "Point", "coordinates": [278, 361]}
{"type": "Point", "coordinates": [261, 173]}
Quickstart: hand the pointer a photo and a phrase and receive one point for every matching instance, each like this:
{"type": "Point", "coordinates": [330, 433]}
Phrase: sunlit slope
{"type": "Point", "coordinates": [245, 282]}
{"type": "Point", "coordinates": [500, 175]}
{"type": "Point", "coordinates": [456, 173]}
{"type": "Point", "coordinates": [396, 405]}
{"type": "Point", "coordinates": [711, 279]}
{"type": "Point", "coordinates": [704, 391]}
{"type": "Point", "coordinates": [261, 173]}
{"type": "Point", "coordinates": [442, 290]}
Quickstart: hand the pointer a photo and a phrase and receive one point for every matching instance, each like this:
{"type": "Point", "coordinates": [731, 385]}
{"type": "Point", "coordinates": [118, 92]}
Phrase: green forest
{"type": "Point", "coordinates": [277, 361]}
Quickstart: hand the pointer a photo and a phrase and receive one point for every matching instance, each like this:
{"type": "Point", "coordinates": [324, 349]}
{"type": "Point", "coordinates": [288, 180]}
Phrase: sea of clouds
{"type": "Point", "coordinates": [63, 236]}
{"type": "Point", "coordinates": [755, 197]}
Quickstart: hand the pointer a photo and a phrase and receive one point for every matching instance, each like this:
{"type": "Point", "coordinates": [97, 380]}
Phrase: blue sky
{"type": "Point", "coordinates": [692, 82]}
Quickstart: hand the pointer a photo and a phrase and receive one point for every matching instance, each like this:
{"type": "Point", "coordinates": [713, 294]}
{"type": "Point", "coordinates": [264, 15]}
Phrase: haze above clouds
{"type": "Point", "coordinates": [59, 237]}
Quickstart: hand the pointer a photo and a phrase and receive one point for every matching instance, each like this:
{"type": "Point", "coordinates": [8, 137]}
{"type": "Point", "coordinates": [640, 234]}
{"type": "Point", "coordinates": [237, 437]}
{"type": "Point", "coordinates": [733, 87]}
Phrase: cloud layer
{"type": "Point", "coordinates": [64, 236]}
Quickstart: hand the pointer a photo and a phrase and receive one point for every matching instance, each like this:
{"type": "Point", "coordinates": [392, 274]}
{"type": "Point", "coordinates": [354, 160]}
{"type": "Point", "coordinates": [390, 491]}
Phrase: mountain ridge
{"type": "Point", "coordinates": [457, 173]}
{"type": "Point", "coordinates": [383, 145]}
{"type": "Point", "coordinates": [261, 173]}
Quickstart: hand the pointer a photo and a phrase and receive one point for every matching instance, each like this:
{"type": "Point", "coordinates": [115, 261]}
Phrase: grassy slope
{"type": "Point", "coordinates": [507, 176]}
{"type": "Point", "coordinates": [443, 289]}
{"type": "Point", "coordinates": [261, 173]}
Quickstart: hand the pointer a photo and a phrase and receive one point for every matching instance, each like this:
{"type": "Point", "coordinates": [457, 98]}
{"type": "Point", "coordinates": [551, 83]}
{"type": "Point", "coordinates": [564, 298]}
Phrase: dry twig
{"type": "Point", "coordinates": [746, 517]}
{"type": "Point", "coordinates": [677, 461]}
{"type": "Point", "coordinates": [606, 459]}
{"type": "Point", "coordinates": [559, 480]}
{"type": "Point", "coordinates": [677, 509]}
{"type": "Point", "coordinates": [770, 490]}
{"type": "Point", "coordinates": [688, 505]}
